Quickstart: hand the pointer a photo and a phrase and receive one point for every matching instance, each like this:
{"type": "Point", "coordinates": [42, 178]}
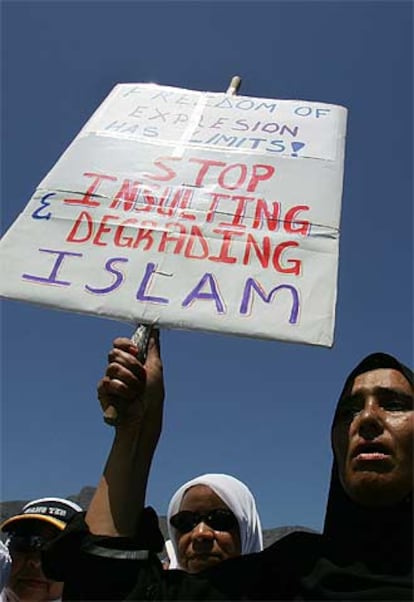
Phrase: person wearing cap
{"type": "Point", "coordinates": [27, 532]}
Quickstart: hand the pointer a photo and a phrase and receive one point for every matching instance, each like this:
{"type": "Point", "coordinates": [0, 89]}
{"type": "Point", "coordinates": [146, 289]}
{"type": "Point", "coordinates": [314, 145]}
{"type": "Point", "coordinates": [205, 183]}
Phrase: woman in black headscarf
{"type": "Point", "coordinates": [366, 549]}
{"type": "Point", "coordinates": [368, 528]}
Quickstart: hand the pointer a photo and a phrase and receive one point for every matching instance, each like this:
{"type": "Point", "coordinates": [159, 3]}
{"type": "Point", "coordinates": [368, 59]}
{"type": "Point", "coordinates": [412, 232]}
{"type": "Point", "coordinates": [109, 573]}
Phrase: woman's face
{"type": "Point", "coordinates": [373, 438]}
{"type": "Point", "coordinates": [27, 580]}
{"type": "Point", "coordinates": [204, 546]}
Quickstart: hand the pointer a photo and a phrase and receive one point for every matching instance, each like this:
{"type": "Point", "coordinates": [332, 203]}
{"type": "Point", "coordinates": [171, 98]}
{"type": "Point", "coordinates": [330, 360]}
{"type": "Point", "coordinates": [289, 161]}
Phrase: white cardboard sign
{"type": "Point", "coordinates": [190, 210]}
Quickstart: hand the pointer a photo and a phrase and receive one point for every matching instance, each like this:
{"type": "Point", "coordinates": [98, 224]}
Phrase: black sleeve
{"type": "Point", "coordinates": [97, 567]}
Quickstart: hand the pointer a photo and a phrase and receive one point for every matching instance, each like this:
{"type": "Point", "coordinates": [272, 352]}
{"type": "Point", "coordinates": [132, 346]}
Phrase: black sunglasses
{"type": "Point", "coordinates": [220, 519]}
{"type": "Point", "coordinates": [26, 543]}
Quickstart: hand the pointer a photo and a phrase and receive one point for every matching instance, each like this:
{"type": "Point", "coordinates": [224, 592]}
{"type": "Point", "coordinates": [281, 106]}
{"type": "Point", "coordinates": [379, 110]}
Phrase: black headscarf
{"type": "Point", "coordinates": [367, 552]}
{"type": "Point", "coordinates": [362, 554]}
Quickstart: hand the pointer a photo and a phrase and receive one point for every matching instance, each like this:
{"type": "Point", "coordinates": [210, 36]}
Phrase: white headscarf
{"type": "Point", "coordinates": [239, 499]}
{"type": "Point", "coordinates": [5, 565]}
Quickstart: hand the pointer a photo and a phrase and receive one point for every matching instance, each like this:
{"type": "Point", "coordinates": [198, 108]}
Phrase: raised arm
{"type": "Point", "coordinates": [137, 391]}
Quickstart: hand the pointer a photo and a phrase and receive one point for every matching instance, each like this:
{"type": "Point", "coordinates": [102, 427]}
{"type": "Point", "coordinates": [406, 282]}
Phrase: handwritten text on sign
{"type": "Point", "coordinates": [190, 210]}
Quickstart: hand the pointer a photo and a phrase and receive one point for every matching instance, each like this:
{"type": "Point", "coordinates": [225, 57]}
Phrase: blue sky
{"type": "Point", "coordinates": [259, 410]}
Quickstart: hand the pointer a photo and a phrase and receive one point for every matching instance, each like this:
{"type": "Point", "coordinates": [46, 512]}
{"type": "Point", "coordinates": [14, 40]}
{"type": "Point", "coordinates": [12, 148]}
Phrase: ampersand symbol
{"type": "Point", "coordinates": [43, 204]}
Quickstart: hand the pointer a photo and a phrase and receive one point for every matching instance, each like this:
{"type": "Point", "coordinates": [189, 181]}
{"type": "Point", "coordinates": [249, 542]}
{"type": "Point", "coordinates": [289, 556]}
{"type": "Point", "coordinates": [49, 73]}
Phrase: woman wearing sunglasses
{"type": "Point", "coordinates": [212, 518]}
{"type": "Point", "coordinates": [28, 532]}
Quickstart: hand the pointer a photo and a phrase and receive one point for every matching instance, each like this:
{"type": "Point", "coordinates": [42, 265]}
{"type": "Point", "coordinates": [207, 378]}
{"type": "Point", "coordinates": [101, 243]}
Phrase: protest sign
{"type": "Point", "coordinates": [190, 210]}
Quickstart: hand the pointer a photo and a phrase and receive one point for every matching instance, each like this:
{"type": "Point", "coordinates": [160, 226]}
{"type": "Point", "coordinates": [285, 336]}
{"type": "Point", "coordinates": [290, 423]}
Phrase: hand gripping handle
{"type": "Point", "coordinates": [140, 338]}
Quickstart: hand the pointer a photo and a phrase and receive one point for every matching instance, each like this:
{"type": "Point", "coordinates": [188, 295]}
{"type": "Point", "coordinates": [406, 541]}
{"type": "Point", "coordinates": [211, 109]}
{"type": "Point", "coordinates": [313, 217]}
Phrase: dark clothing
{"type": "Point", "coordinates": [363, 554]}
{"type": "Point", "coordinates": [105, 568]}
{"type": "Point", "coordinates": [301, 566]}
